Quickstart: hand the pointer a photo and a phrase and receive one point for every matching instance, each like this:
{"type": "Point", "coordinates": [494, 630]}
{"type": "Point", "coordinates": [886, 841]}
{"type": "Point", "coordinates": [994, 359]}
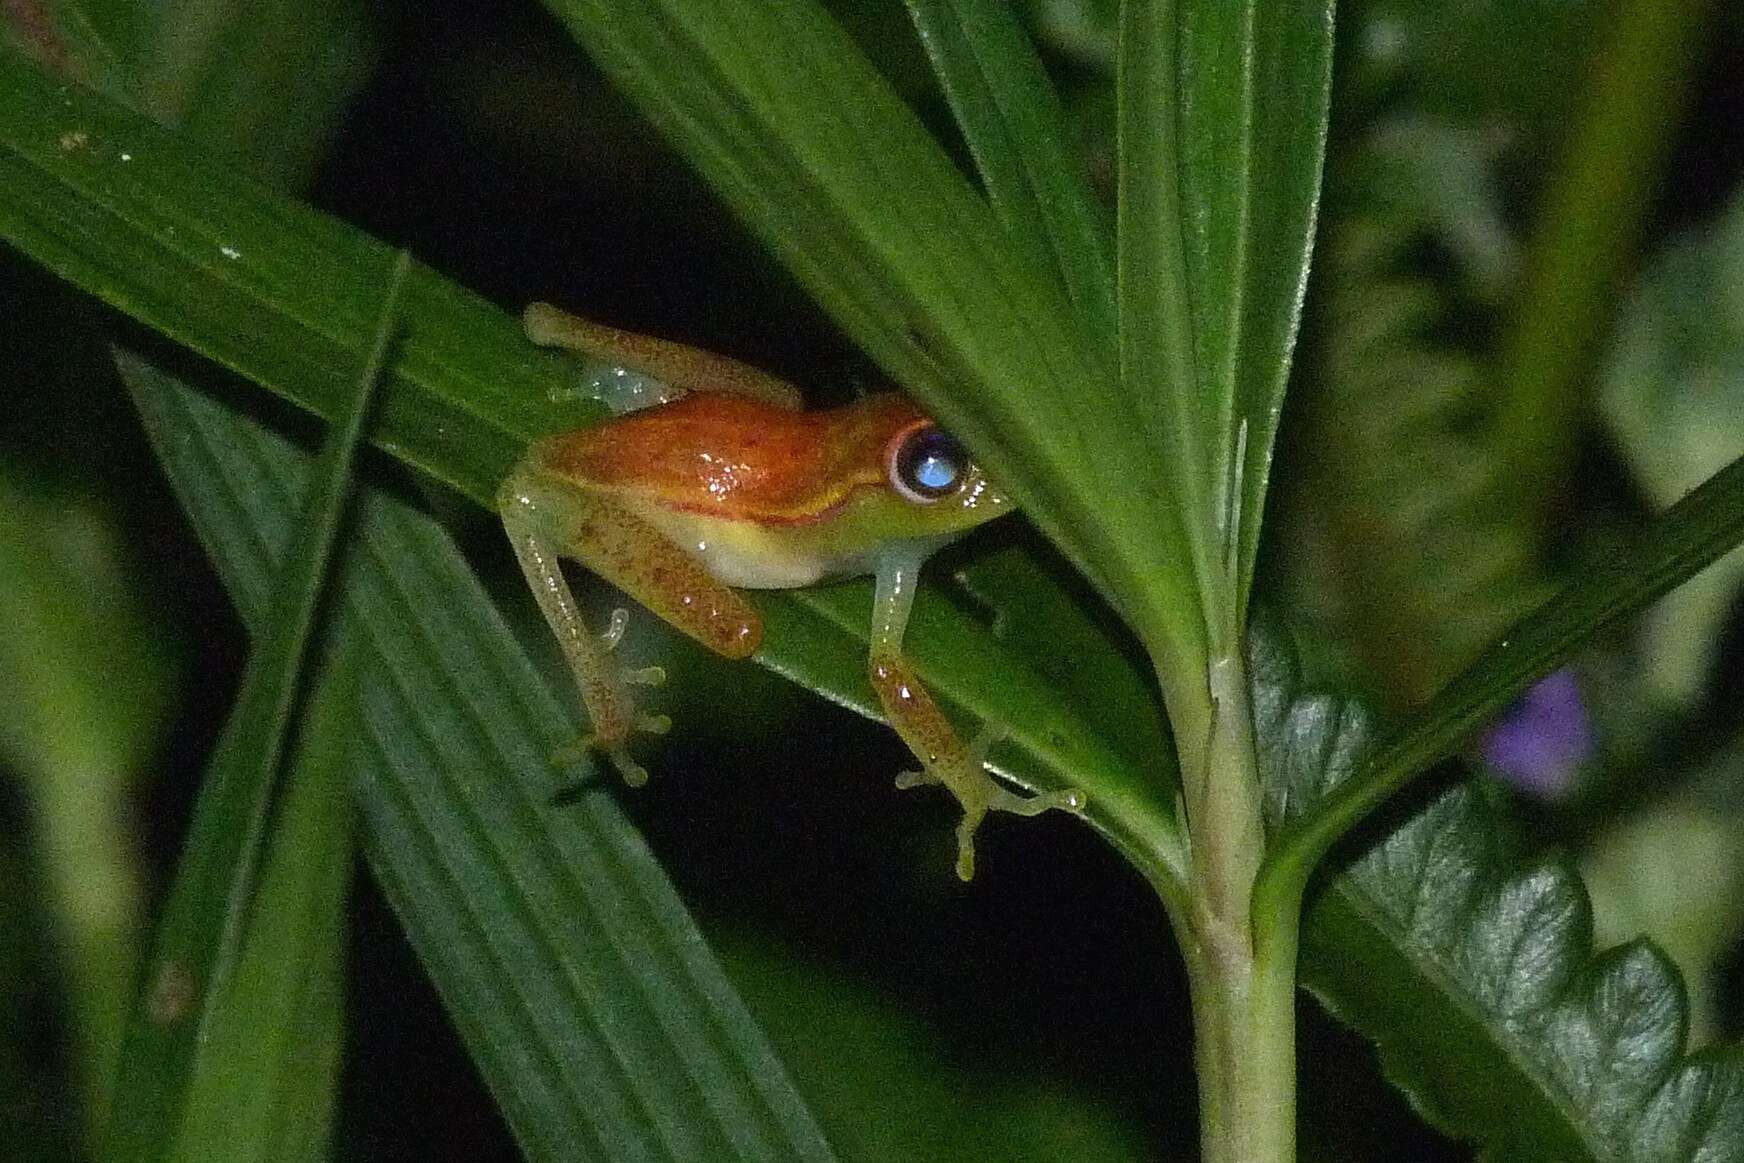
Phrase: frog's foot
{"type": "Point", "coordinates": [979, 793]}
{"type": "Point", "coordinates": [624, 718]}
{"type": "Point", "coordinates": [617, 750]}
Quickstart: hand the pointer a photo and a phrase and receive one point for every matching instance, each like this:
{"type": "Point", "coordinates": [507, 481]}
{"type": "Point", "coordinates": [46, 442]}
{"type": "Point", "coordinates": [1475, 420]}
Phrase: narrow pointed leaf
{"type": "Point", "coordinates": [584, 992]}
{"type": "Point", "coordinates": [1156, 355]}
{"type": "Point", "coordinates": [1472, 967]}
{"type": "Point", "coordinates": [192, 972]}
{"type": "Point", "coordinates": [1223, 114]}
{"type": "Point", "coordinates": [1011, 117]}
{"type": "Point", "coordinates": [265, 1083]}
{"type": "Point", "coordinates": [1273, 167]}
{"type": "Point", "coordinates": [824, 162]}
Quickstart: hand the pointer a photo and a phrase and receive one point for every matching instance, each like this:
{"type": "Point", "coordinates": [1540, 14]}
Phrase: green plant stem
{"type": "Point", "coordinates": [1244, 1032]}
{"type": "Point", "coordinates": [1588, 229]}
{"type": "Point", "coordinates": [1242, 968]}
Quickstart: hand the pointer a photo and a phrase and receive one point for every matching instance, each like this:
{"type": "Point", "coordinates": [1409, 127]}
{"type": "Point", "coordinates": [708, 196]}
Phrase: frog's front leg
{"type": "Point", "coordinates": [546, 516]}
{"type": "Point", "coordinates": [947, 760]}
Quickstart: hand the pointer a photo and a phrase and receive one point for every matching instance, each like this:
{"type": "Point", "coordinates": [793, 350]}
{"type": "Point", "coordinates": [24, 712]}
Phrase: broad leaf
{"type": "Point", "coordinates": [821, 158]}
{"type": "Point", "coordinates": [1674, 547]}
{"type": "Point", "coordinates": [283, 295]}
{"type": "Point", "coordinates": [585, 994]}
{"type": "Point", "coordinates": [1472, 966]}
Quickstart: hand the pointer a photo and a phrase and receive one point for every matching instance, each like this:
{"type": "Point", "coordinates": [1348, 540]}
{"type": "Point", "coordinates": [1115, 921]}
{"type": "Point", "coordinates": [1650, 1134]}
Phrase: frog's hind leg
{"type": "Point", "coordinates": [533, 516]}
{"type": "Point", "coordinates": [675, 365]}
{"type": "Point", "coordinates": [546, 517]}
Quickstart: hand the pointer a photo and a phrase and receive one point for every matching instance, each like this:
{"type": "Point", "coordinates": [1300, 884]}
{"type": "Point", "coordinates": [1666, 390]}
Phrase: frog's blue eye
{"type": "Point", "coordinates": [927, 463]}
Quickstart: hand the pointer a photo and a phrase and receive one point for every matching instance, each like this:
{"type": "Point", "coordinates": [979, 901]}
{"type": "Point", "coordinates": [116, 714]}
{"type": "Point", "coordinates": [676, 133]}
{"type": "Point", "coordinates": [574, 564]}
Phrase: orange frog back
{"type": "Point", "coordinates": [737, 458]}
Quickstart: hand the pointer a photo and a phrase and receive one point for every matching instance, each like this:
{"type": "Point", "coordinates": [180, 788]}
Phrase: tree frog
{"type": "Point", "coordinates": [711, 477]}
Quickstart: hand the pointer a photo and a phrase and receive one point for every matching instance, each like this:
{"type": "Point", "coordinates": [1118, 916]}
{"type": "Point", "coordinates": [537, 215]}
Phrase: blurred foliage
{"type": "Point", "coordinates": [476, 134]}
{"type": "Point", "coordinates": [1510, 68]}
{"type": "Point", "coordinates": [1403, 525]}
{"type": "Point", "coordinates": [1672, 392]}
{"type": "Point", "coordinates": [88, 677]}
{"type": "Point", "coordinates": [1410, 532]}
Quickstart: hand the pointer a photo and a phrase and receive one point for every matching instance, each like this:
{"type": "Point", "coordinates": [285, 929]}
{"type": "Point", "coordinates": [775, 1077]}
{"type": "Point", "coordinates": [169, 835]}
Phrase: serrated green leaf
{"type": "Point", "coordinates": [1673, 871]}
{"type": "Point", "coordinates": [1472, 966]}
{"type": "Point", "coordinates": [582, 988]}
{"type": "Point", "coordinates": [193, 984]}
{"type": "Point", "coordinates": [281, 294]}
{"type": "Point", "coordinates": [1695, 532]}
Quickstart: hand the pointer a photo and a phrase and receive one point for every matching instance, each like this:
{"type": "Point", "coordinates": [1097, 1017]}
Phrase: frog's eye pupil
{"type": "Point", "coordinates": [934, 472]}
{"type": "Point", "coordinates": [928, 464]}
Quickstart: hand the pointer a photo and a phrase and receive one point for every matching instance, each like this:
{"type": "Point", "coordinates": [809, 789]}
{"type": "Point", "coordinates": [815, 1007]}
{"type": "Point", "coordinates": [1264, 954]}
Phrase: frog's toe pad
{"type": "Point", "coordinates": [614, 631]}
{"type": "Point", "coordinates": [912, 779]}
{"type": "Point", "coordinates": [569, 753]}
{"type": "Point", "coordinates": [1068, 800]}
{"type": "Point", "coordinates": [632, 773]}
{"type": "Point", "coordinates": [966, 848]}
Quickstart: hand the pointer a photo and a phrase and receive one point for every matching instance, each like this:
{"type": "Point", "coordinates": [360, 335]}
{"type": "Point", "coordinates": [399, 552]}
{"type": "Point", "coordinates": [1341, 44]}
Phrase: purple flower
{"type": "Point", "coordinates": [1541, 741]}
